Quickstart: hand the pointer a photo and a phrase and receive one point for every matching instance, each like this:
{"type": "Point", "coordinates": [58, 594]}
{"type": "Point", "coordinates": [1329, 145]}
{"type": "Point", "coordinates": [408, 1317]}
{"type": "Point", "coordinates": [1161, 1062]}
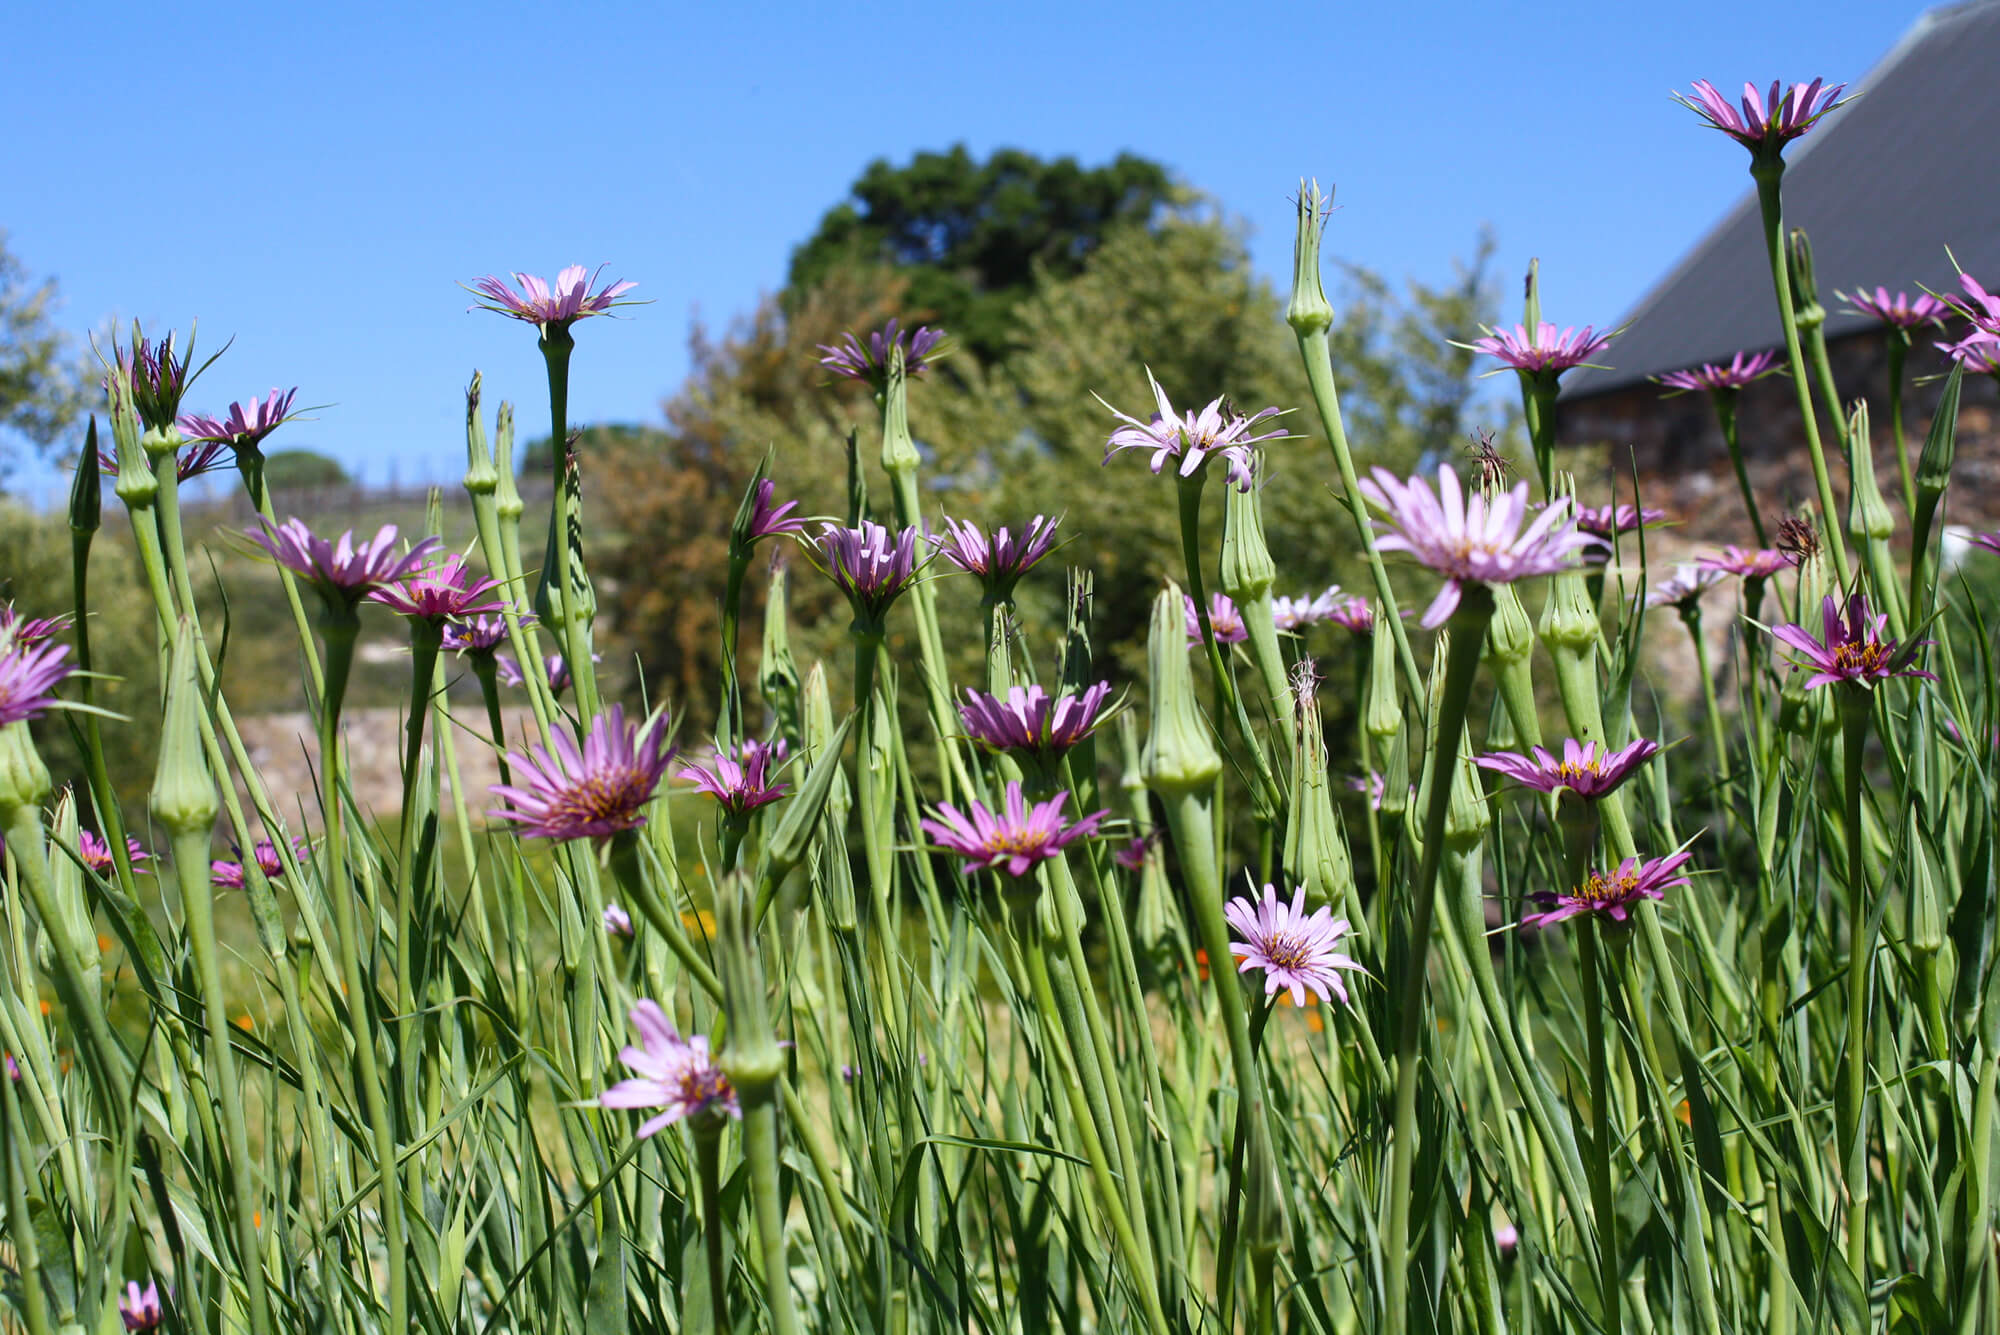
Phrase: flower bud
{"type": "Point", "coordinates": [136, 485]}
{"type": "Point", "coordinates": [162, 443]}
{"type": "Point", "coordinates": [1925, 931]}
{"type": "Point", "coordinates": [1568, 619]}
{"type": "Point", "coordinates": [899, 452]}
{"type": "Point", "coordinates": [1315, 845]}
{"type": "Point", "coordinates": [778, 672]}
{"type": "Point", "coordinates": [1510, 636]}
{"type": "Point", "coordinates": [1384, 716]}
{"type": "Point", "coordinates": [1940, 446]}
{"type": "Point", "coordinates": [1180, 757]}
{"type": "Point", "coordinates": [1247, 569]}
{"type": "Point", "coordinates": [24, 779]}
{"type": "Point", "coordinates": [184, 798]}
{"type": "Point", "coordinates": [481, 477]}
{"type": "Point", "coordinates": [86, 491]}
{"type": "Point", "coordinates": [1868, 515]}
{"type": "Point", "coordinates": [1807, 313]}
{"type": "Point", "coordinates": [816, 707]}
{"type": "Point", "coordinates": [1309, 312]}
{"type": "Point", "coordinates": [508, 498]}
{"type": "Point", "coordinates": [67, 897]}
{"type": "Point", "coordinates": [1466, 819]}
{"type": "Point", "coordinates": [793, 837]}
{"type": "Point", "coordinates": [750, 1056]}
{"type": "Point", "coordinates": [1396, 778]}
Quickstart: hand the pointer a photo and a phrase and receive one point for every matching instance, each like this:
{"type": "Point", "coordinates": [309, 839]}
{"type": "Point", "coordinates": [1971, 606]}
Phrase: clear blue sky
{"type": "Point", "coordinates": [314, 180]}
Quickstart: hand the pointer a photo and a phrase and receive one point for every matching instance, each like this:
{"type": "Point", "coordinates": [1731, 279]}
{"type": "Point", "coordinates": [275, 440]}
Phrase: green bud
{"type": "Point", "coordinates": [162, 443]}
{"type": "Point", "coordinates": [86, 491]}
{"type": "Point", "coordinates": [1247, 569]}
{"type": "Point", "coordinates": [1569, 621]}
{"type": "Point", "coordinates": [1180, 757]}
{"type": "Point", "coordinates": [1941, 445]}
{"type": "Point", "coordinates": [794, 834]}
{"type": "Point", "coordinates": [1396, 778]}
{"type": "Point", "coordinates": [750, 1056]}
{"type": "Point", "coordinates": [778, 671]}
{"type": "Point", "coordinates": [899, 452]}
{"type": "Point", "coordinates": [1807, 313]}
{"type": "Point", "coordinates": [508, 496]}
{"type": "Point", "coordinates": [816, 708]}
{"type": "Point", "coordinates": [1309, 311]}
{"type": "Point", "coordinates": [481, 477]}
{"type": "Point", "coordinates": [24, 779]}
{"type": "Point", "coordinates": [1466, 818]}
{"type": "Point", "coordinates": [1925, 932]}
{"type": "Point", "coordinates": [1433, 702]}
{"type": "Point", "coordinates": [1868, 515]}
{"type": "Point", "coordinates": [1384, 716]}
{"type": "Point", "coordinates": [67, 897]}
{"type": "Point", "coordinates": [136, 485]}
{"type": "Point", "coordinates": [1315, 844]}
{"type": "Point", "coordinates": [1510, 636]}
{"type": "Point", "coordinates": [184, 798]}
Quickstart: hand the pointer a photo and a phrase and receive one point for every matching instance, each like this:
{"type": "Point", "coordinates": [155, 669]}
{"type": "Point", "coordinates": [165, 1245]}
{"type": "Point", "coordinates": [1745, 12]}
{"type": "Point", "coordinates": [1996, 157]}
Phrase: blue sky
{"type": "Point", "coordinates": [314, 180]}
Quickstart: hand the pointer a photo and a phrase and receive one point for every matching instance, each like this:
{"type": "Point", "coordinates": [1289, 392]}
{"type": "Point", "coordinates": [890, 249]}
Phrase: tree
{"type": "Point", "coordinates": [298, 469]}
{"type": "Point", "coordinates": [973, 238]}
{"type": "Point", "coordinates": [41, 389]}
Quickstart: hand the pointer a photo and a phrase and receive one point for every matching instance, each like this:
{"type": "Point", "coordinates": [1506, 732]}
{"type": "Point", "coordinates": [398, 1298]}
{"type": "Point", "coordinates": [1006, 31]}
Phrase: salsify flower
{"type": "Point", "coordinates": [872, 566]}
{"type": "Point", "coordinates": [191, 461]}
{"type": "Point", "coordinates": [1608, 521]}
{"type": "Point", "coordinates": [482, 635]}
{"type": "Point", "coordinates": [1477, 538]}
{"type": "Point", "coordinates": [1765, 121]}
{"type": "Point", "coordinates": [1223, 618]}
{"type": "Point", "coordinates": [140, 1308]}
{"type": "Point", "coordinates": [1684, 588]}
{"type": "Point", "coordinates": [1132, 856]}
{"type": "Point", "coordinates": [618, 922]}
{"type": "Point", "coordinates": [557, 670]}
{"type": "Point", "coordinates": [1353, 614]}
{"type": "Point", "coordinates": [159, 374]}
{"type": "Point", "coordinates": [741, 782]}
{"type": "Point", "coordinates": [1586, 769]}
{"type": "Point", "coordinates": [1031, 720]}
{"type": "Point", "coordinates": [1544, 350]}
{"type": "Point", "coordinates": [676, 1075]}
{"type": "Point", "coordinates": [1611, 895]}
{"type": "Point", "coordinates": [1295, 614]}
{"type": "Point", "coordinates": [441, 590]}
{"type": "Point", "coordinates": [562, 303]}
{"type": "Point", "coordinates": [1978, 352]}
{"type": "Point", "coordinates": [1217, 431]}
{"type": "Point", "coordinates": [768, 521]}
{"type": "Point", "coordinates": [1852, 649]}
{"type": "Point", "coordinates": [869, 362]}
{"type": "Point", "coordinates": [1990, 541]}
{"type": "Point", "coordinates": [1737, 372]}
{"type": "Point", "coordinates": [998, 560]}
{"type": "Point", "coordinates": [229, 874]}
{"type": "Point", "coordinates": [1296, 951]}
{"type": "Point", "coordinates": [1977, 305]}
{"type": "Point", "coordinates": [340, 569]}
{"type": "Point", "coordinates": [245, 426]}
{"type": "Point", "coordinates": [1371, 786]}
{"type": "Point", "coordinates": [95, 851]}
{"type": "Point", "coordinates": [1749, 562]}
{"type": "Point", "coordinates": [25, 632]}
{"type": "Point", "coordinates": [1013, 839]}
{"type": "Point", "coordinates": [589, 792]}
{"type": "Point", "coordinates": [1902, 310]}
{"type": "Point", "coordinates": [28, 677]}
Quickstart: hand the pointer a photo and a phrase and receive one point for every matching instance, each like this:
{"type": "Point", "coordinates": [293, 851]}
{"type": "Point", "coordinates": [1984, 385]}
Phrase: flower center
{"type": "Point", "coordinates": [612, 796]}
{"type": "Point", "coordinates": [1601, 891]}
{"type": "Point", "coordinates": [702, 1085]}
{"type": "Point", "coordinates": [1569, 772]}
{"type": "Point", "coordinates": [1287, 950]}
{"type": "Point", "coordinates": [1015, 840]}
{"type": "Point", "coordinates": [1862, 658]}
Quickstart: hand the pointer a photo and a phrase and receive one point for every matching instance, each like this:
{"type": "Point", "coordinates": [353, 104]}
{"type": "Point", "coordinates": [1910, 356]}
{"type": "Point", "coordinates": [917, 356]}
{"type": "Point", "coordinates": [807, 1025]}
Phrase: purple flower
{"type": "Point", "coordinates": [1587, 769]}
{"type": "Point", "coordinates": [1608, 521]}
{"type": "Point", "coordinates": [1013, 839]}
{"type": "Point", "coordinates": [769, 522]}
{"type": "Point", "coordinates": [482, 635]}
{"type": "Point", "coordinates": [1507, 1239]}
{"type": "Point", "coordinates": [229, 875]}
{"type": "Point", "coordinates": [676, 1075]}
{"type": "Point", "coordinates": [1990, 541]}
{"type": "Point", "coordinates": [1295, 614]}
{"type": "Point", "coordinates": [193, 461]}
{"type": "Point", "coordinates": [1353, 614]}
{"type": "Point", "coordinates": [1852, 650]}
{"type": "Point", "coordinates": [1718, 376]}
{"type": "Point", "coordinates": [440, 590]}
{"type": "Point", "coordinates": [28, 677]}
{"type": "Point", "coordinates": [557, 669]}
{"type": "Point", "coordinates": [140, 1308]}
{"type": "Point", "coordinates": [1749, 562]}
{"type": "Point", "coordinates": [872, 566]}
{"type": "Point", "coordinates": [23, 632]}
{"type": "Point", "coordinates": [95, 851]}
{"type": "Point", "coordinates": [159, 375]}
{"type": "Point", "coordinates": [13, 1067]}
{"type": "Point", "coordinates": [244, 427]}
{"type": "Point", "coordinates": [1371, 786]}
{"type": "Point", "coordinates": [1611, 895]}
{"type": "Point", "coordinates": [1544, 350]}
{"type": "Point", "coordinates": [1684, 588]}
{"type": "Point", "coordinates": [870, 364]}
{"type": "Point", "coordinates": [592, 792]}
{"type": "Point", "coordinates": [1295, 951]}
{"type": "Point", "coordinates": [538, 303]}
{"type": "Point", "coordinates": [740, 782]}
{"type": "Point", "coordinates": [1193, 438]}
{"type": "Point", "coordinates": [999, 561]}
{"type": "Point", "coordinates": [341, 570]}
{"type": "Point", "coordinates": [1030, 720]}
{"type": "Point", "coordinates": [618, 922]}
{"type": "Point", "coordinates": [1478, 538]}
{"type": "Point", "coordinates": [1765, 122]}
{"type": "Point", "coordinates": [1223, 618]}
{"type": "Point", "coordinates": [1978, 352]}
{"type": "Point", "coordinates": [1132, 857]}
{"type": "Point", "coordinates": [1902, 310]}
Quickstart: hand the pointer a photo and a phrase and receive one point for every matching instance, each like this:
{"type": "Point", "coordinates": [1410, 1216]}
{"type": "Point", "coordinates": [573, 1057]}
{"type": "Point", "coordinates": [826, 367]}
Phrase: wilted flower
{"type": "Point", "coordinates": [1738, 372]}
{"type": "Point", "coordinates": [1611, 895]}
{"type": "Point", "coordinates": [28, 677]}
{"type": "Point", "coordinates": [767, 521]}
{"type": "Point", "coordinates": [1193, 438]}
{"type": "Point", "coordinates": [1353, 614]}
{"type": "Point", "coordinates": [1223, 618]}
{"type": "Point", "coordinates": [618, 922]}
{"type": "Point", "coordinates": [441, 590]}
{"type": "Point", "coordinates": [1544, 350]}
{"type": "Point", "coordinates": [1902, 310]}
{"type": "Point", "coordinates": [140, 1308]}
{"type": "Point", "coordinates": [1478, 538]}
{"type": "Point", "coordinates": [1013, 839]}
{"type": "Point", "coordinates": [1608, 521]}
{"type": "Point", "coordinates": [872, 566]}
{"type": "Point", "coordinates": [244, 427]}
{"type": "Point", "coordinates": [1852, 649]}
{"type": "Point", "coordinates": [569, 300]}
{"type": "Point", "coordinates": [1798, 539]}
{"type": "Point", "coordinates": [1296, 951]}
{"type": "Point", "coordinates": [740, 782]}
{"type": "Point", "coordinates": [1000, 560]}
{"type": "Point", "coordinates": [95, 851]}
{"type": "Point", "coordinates": [22, 632]}
{"type": "Point", "coordinates": [1132, 856]}
{"type": "Point", "coordinates": [1765, 122]}
{"type": "Point", "coordinates": [870, 363]}
{"type": "Point", "coordinates": [676, 1075]}
{"type": "Point", "coordinates": [1749, 562]}
{"type": "Point", "coordinates": [340, 569]}
{"type": "Point", "coordinates": [1586, 769]}
{"type": "Point", "coordinates": [1684, 588]}
{"type": "Point", "coordinates": [591, 792]}
{"type": "Point", "coordinates": [229, 875]}
{"type": "Point", "coordinates": [1030, 720]}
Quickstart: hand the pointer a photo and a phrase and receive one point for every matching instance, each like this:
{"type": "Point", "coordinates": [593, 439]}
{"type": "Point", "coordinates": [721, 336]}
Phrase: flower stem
{"type": "Point", "coordinates": [1691, 618]}
{"type": "Point", "coordinates": [556, 345]}
{"type": "Point", "coordinates": [250, 463]}
{"type": "Point", "coordinates": [1603, 1206]}
{"type": "Point", "coordinates": [20, 1228]}
{"type": "Point", "coordinates": [760, 1147]}
{"type": "Point", "coordinates": [1225, 686]}
{"type": "Point", "coordinates": [708, 1161]}
{"type": "Point", "coordinates": [1853, 1121]}
{"type": "Point", "coordinates": [1899, 349]}
{"type": "Point", "coordinates": [1725, 417]}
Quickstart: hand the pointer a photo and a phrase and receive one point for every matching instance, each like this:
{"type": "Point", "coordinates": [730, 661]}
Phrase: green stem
{"type": "Point", "coordinates": [1603, 1207]}
{"type": "Point", "coordinates": [1725, 417]}
{"type": "Point", "coordinates": [708, 1160]}
{"type": "Point", "coordinates": [1268, 790]}
{"type": "Point", "coordinates": [760, 1147]}
{"type": "Point", "coordinates": [250, 463]}
{"type": "Point", "coordinates": [1899, 350]}
{"type": "Point", "coordinates": [573, 634]}
{"type": "Point", "coordinates": [1538, 406]}
{"type": "Point", "coordinates": [1853, 1119]}
{"type": "Point", "coordinates": [20, 1227]}
{"type": "Point", "coordinates": [1718, 739]}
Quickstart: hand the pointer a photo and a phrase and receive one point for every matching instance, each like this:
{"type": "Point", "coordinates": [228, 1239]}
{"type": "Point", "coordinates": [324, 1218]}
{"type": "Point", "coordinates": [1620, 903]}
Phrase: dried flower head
{"type": "Point", "coordinates": [1297, 952]}
{"type": "Point", "coordinates": [1217, 431]}
{"type": "Point", "coordinates": [676, 1075]}
{"type": "Point", "coordinates": [1798, 539]}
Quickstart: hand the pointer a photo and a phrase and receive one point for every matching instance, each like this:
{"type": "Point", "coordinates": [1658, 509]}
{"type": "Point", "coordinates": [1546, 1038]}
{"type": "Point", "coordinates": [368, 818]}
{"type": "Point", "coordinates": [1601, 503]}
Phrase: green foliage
{"type": "Point", "coordinates": [286, 469]}
{"type": "Point", "coordinates": [41, 388]}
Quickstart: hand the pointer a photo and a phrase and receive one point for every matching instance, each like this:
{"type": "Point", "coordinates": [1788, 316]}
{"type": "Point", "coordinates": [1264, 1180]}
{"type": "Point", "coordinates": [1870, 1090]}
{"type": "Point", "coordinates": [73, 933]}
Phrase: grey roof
{"type": "Point", "coordinates": [1882, 186]}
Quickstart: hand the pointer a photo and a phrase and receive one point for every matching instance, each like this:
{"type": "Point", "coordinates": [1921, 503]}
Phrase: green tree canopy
{"type": "Point", "coordinates": [41, 387]}
{"type": "Point", "coordinates": [285, 469]}
{"type": "Point", "coordinates": [972, 238]}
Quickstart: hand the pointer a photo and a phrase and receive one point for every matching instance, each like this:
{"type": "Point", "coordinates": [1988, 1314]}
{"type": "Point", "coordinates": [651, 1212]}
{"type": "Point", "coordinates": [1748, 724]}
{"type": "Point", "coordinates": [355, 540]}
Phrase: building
{"type": "Point", "coordinates": [1883, 187]}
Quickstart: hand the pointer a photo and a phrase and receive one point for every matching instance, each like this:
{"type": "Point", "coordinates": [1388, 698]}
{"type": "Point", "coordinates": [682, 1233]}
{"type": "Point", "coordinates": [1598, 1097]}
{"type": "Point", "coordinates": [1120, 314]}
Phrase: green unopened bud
{"type": "Point", "coordinates": [1247, 569]}
{"type": "Point", "coordinates": [162, 443]}
{"type": "Point", "coordinates": [816, 708]}
{"type": "Point", "coordinates": [1941, 445]}
{"type": "Point", "coordinates": [1309, 311]}
{"type": "Point", "coordinates": [24, 779]}
{"type": "Point", "coordinates": [1315, 845]}
{"type": "Point", "coordinates": [1384, 716]}
{"type": "Point", "coordinates": [1806, 310]}
{"type": "Point", "coordinates": [794, 835]}
{"type": "Point", "coordinates": [136, 485]}
{"type": "Point", "coordinates": [1569, 621]}
{"type": "Point", "coordinates": [86, 490]}
{"type": "Point", "coordinates": [1925, 932]}
{"type": "Point", "coordinates": [67, 897]}
{"type": "Point", "coordinates": [1395, 798]}
{"type": "Point", "coordinates": [1466, 818]}
{"type": "Point", "coordinates": [1868, 514]}
{"type": "Point", "coordinates": [508, 497]}
{"type": "Point", "coordinates": [1180, 757]}
{"type": "Point", "coordinates": [1433, 702]}
{"type": "Point", "coordinates": [184, 798]}
{"type": "Point", "coordinates": [750, 1056]}
{"type": "Point", "coordinates": [1510, 636]}
{"type": "Point", "coordinates": [899, 452]}
{"type": "Point", "coordinates": [481, 477]}
{"type": "Point", "coordinates": [778, 671]}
